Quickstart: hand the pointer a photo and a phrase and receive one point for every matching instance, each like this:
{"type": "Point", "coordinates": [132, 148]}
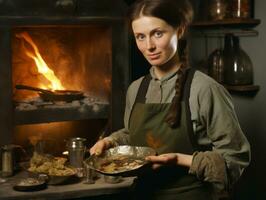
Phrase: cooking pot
{"type": "Point", "coordinates": [56, 95]}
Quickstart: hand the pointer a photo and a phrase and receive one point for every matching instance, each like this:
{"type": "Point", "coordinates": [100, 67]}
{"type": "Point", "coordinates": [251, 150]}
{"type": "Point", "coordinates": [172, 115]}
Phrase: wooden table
{"type": "Point", "coordinates": [74, 190]}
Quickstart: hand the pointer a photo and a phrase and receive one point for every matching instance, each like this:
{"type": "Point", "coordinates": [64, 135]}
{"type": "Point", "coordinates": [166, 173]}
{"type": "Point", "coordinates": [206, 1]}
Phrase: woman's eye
{"type": "Point", "coordinates": [158, 34]}
{"type": "Point", "coordinates": [140, 37]}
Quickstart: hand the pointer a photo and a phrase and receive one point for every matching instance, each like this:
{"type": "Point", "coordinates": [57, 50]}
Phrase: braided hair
{"type": "Point", "coordinates": [176, 13]}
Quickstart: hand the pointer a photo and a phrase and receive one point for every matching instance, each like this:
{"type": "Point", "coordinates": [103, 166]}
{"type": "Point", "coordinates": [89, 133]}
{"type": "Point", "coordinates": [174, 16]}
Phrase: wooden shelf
{"type": "Point", "coordinates": [242, 88]}
{"type": "Point", "coordinates": [227, 23]}
{"type": "Point", "coordinates": [222, 32]}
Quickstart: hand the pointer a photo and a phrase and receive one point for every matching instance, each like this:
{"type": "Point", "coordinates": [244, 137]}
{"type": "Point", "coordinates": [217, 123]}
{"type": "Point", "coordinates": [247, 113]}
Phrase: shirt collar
{"type": "Point", "coordinates": [163, 79]}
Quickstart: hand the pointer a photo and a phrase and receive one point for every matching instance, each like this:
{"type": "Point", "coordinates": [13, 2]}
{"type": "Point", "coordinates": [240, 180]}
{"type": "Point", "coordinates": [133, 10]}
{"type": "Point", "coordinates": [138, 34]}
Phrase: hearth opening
{"type": "Point", "coordinates": [62, 81]}
{"type": "Point", "coordinates": [75, 58]}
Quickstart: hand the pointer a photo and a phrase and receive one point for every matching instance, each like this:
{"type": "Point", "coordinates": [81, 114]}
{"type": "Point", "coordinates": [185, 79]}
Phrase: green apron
{"type": "Point", "coordinates": [147, 128]}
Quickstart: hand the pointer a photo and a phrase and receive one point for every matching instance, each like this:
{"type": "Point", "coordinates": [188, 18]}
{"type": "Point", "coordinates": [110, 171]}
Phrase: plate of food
{"type": "Point", "coordinates": [121, 160]}
{"type": "Point", "coordinates": [30, 184]}
{"type": "Point", "coordinates": [53, 170]}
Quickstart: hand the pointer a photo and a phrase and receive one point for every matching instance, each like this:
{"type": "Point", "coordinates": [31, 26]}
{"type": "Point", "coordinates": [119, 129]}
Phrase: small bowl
{"type": "Point", "coordinates": [30, 184]}
{"type": "Point", "coordinates": [112, 179]}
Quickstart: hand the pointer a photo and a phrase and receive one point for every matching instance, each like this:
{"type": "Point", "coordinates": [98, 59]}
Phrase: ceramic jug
{"type": "Point", "coordinates": [238, 66]}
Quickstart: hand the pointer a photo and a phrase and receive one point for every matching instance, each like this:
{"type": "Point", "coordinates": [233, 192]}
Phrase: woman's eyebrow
{"type": "Point", "coordinates": [151, 31]}
{"type": "Point", "coordinates": [156, 29]}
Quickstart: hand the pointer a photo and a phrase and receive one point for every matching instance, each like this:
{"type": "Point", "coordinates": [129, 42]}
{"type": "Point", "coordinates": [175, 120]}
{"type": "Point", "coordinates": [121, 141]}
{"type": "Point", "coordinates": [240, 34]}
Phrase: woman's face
{"type": "Point", "coordinates": [156, 39]}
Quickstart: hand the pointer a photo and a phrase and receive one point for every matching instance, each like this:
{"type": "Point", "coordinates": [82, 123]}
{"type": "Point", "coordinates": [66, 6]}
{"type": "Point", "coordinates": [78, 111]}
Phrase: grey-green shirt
{"type": "Point", "coordinates": [214, 123]}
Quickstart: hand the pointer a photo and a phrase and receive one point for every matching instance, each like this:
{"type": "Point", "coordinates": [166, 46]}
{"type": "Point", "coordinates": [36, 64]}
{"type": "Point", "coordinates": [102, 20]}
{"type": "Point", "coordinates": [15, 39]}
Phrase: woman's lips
{"type": "Point", "coordinates": [154, 56]}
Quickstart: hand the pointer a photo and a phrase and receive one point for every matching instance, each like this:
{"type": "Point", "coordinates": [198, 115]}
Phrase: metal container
{"type": "Point", "coordinates": [76, 151]}
{"type": "Point", "coordinates": [8, 159]}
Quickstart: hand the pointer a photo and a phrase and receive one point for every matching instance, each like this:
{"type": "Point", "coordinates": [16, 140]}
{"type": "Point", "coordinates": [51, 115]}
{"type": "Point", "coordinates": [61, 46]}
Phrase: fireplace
{"type": "Point", "coordinates": [64, 45]}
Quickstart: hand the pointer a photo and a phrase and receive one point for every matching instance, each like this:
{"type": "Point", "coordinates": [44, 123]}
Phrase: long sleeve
{"type": "Point", "coordinates": [217, 126]}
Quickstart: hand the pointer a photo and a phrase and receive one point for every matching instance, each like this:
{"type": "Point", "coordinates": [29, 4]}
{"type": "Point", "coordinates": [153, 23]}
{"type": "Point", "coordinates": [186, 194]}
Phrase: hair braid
{"type": "Point", "coordinates": [173, 116]}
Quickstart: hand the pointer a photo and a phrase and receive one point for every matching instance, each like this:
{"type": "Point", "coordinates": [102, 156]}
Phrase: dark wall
{"type": "Point", "coordinates": [139, 64]}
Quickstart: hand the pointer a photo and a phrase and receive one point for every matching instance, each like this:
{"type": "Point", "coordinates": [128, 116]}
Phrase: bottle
{"type": "Point", "coordinates": [240, 8]}
{"type": "Point", "coordinates": [216, 65]}
{"type": "Point", "coordinates": [217, 10]}
{"type": "Point", "coordinates": [238, 66]}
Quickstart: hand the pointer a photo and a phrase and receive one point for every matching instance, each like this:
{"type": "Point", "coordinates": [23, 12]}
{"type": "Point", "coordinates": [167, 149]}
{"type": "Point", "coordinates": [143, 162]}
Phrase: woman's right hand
{"type": "Point", "coordinates": [101, 145]}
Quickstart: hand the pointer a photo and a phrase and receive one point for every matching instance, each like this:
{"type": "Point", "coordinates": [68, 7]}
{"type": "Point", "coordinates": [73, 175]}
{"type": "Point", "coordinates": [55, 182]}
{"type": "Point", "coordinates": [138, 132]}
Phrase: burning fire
{"type": "Point", "coordinates": [55, 83]}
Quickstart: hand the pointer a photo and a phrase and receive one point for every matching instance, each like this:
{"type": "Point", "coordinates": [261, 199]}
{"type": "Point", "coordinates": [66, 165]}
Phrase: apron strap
{"type": "Point", "coordinates": [141, 95]}
{"type": "Point", "coordinates": [186, 94]}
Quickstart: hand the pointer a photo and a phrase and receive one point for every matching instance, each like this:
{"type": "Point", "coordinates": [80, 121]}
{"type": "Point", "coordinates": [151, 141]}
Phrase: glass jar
{"type": "Point", "coordinates": [217, 9]}
{"type": "Point", "coordinates": [240, 8]}
{"type": "Point", "coordinates": [238, 66]}
{"type": "Point", "coordinates": [216, 65]}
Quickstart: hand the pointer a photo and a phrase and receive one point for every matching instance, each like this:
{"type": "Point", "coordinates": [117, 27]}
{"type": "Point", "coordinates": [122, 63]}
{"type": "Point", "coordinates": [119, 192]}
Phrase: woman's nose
{"type": "Point", "coordinates": [150, 44]}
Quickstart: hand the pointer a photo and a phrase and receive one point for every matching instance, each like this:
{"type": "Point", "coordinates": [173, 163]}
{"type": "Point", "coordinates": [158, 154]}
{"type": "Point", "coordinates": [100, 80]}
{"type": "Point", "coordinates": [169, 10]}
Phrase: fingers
{"type": "Point", "coordinates": [164, 159]}
{"type": "Point", "coordinates": [98, 148]}
{"type": "Point", "coordinates": [156, 166]}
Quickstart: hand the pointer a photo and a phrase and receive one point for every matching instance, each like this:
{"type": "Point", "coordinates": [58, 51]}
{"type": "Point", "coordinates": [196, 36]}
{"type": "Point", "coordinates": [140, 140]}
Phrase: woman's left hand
{"type": "Point", "coordinates": [163, 159]}
{"type": "Point", "coordinates": [170, 159]}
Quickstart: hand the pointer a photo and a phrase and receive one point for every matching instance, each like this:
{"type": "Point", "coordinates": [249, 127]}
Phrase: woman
{"type": "Point", "coordinates": [182, 113]}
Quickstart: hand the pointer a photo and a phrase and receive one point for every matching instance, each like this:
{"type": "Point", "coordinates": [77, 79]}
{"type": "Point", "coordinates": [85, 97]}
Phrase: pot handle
{"type": "Point", "coordinates": [26, 87]}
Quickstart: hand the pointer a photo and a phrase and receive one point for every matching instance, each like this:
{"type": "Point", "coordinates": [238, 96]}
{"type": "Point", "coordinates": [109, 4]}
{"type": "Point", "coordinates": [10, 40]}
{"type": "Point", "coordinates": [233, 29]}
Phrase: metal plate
{"type": "Point", "coordinates": [30, 186]}
{"type": "Point", "coordinates": [130, 153]}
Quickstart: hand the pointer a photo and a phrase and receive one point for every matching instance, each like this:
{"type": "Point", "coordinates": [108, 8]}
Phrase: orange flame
{"type": "Point", "coordinates": [55, 83]}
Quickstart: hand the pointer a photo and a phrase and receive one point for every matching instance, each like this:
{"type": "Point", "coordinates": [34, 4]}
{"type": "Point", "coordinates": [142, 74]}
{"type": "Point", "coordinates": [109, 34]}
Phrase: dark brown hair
{"type": "Point", "coordinates": [176, 13]}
